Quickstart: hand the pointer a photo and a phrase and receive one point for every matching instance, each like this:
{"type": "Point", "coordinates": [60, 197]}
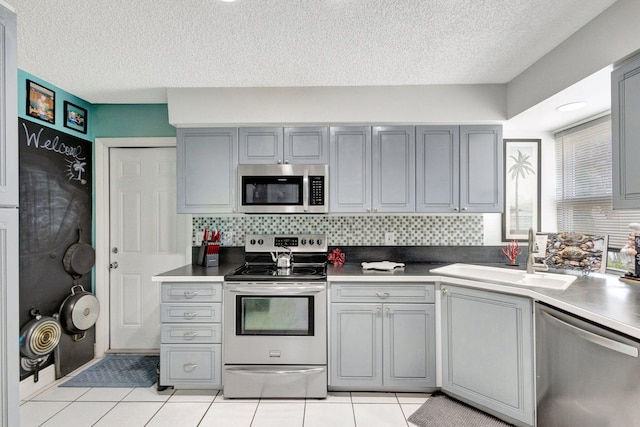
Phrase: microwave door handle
{"type": "Point", "coordinates": [305, 190]}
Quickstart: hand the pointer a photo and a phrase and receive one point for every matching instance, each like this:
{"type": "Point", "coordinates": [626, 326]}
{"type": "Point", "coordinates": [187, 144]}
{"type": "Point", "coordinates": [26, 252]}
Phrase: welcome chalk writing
{"type": "Point", "coordinates": [55, 145]}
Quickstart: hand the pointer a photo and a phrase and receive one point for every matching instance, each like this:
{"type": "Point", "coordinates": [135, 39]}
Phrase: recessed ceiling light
{"type": "Point", "coordinates": [228, 1]}
{"type": "Point", "coordinates": [573, 106]}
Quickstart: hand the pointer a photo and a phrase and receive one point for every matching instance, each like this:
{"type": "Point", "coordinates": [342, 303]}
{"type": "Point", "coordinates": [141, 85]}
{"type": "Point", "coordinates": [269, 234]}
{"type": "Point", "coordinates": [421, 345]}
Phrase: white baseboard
{"type": "Point", "coordinates": [46, 378]}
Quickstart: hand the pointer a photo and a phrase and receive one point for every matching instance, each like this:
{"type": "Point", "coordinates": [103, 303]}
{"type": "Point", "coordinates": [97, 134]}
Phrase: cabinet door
{"type": "Point", "coordinates": [261, 145]}
{"type": "Point", "coordinates": [350, 169]}
{"type": "Point", "coordinates": [306, 145]}
{"type": "Point", "coordinates": [437, 168]}
{"type": "Point", "coordinates": [625, 127]}
{"type": "Point", "coordinates": [8, 110]}
{"type": "Point", "coordinates": [481, 168]}
{"type": "Point", "coordinates": [207, 161]}
{"type": "Point", "coordinates": [356, 345]}
{"type": "Point", "coordinates": [9, 352]}
{"type": "Point", "coordinates": [393, 169]}
{"type": "Point", "coordinates": [191, 366]}
{"type": "Point", "coordinates": [409, 354]}
{"type": "Point", "coordinates": [487, 350]}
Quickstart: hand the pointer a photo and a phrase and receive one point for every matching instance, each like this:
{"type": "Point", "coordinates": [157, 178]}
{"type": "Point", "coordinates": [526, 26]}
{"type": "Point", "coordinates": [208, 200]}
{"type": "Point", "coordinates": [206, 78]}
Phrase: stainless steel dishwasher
{"type": "Point", "coordinates": [587, 375]}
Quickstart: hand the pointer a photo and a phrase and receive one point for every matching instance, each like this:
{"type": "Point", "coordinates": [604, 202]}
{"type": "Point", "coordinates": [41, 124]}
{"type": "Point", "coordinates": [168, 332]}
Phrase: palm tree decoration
{"type": "Point", "coordinates": [521, 168]}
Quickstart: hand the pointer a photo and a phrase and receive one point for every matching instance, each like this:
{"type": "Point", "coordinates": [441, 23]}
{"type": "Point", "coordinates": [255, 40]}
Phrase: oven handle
{"type": "Point", "coordinates": [245, 371]}
{"type": "Point", "coordinates": [270, 290]}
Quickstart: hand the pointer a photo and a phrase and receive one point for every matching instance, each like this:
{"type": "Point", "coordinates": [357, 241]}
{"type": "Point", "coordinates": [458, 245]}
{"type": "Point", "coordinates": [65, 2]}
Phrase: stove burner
{"type": "Point", "coordinates": [267, 272]}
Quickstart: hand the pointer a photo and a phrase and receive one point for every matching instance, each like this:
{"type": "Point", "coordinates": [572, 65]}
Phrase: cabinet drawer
{"type": "Point", "coordinates": [383, 292]}
{"type": "Point", "coordinates": [191, 313]}
{"type": "Point", "coordinates": [196, 333]}
{"type": "Point", "coordinates": [191, 366]}
{"type": "Point", "coordinates": [196, 292]}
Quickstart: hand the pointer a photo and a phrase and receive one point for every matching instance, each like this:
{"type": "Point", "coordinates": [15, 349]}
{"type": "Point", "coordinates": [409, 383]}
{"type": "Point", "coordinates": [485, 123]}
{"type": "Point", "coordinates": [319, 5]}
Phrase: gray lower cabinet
{"type": "Point", "coordinates": [379, 345]}
{"type": "Point", "coordinates": [274, 145]}
{"type": "Point", "coordinates": [487, 351]}
{"type": "Point", "coordinates": [206, 170]}
{"type": "Point", "coordinates": [459, 168]}
{"type": "Point", "coordinates": [191, 335]}
{"type": "Point", "coordinates": [625, 129]}
{"type": "Point", "coordinates": [372, 169]}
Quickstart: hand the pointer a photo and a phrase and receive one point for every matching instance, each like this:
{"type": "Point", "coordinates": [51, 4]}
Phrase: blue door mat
{"type": "Point", "coordinates": [117, 370]}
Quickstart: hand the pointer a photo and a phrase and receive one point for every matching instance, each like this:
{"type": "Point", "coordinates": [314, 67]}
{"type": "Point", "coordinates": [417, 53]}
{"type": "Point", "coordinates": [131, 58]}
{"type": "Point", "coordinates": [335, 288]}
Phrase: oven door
{"type": "Point", "coordinates": [275, 323]}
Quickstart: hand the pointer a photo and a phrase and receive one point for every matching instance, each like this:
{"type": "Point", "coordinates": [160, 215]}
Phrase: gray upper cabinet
{"type": "Point", "coordinates": [206, 171]}
{"type": "Point", "coordinates": [372, 169]}
{"type": "Point", "coordinates": [274, 145]}
{"type": "Point", "coordinates": [8, 110]}
{"type": "Point", "coordinates": [393, 171]}
{"type": "Point", "coordinates": [437, 168]}
{"type": "Point", "coordinates": [261, 145]}
{"type": "Point", "coordinates": [306, 145]}
{"type": "Point", "coordinates": [625, 127]}
{"type": "Point", "coordinates": [487, 351]}
{"type": "Point", "coordinates": [350, 169]}
{"type": "Point", "coordinates": [459, 168]}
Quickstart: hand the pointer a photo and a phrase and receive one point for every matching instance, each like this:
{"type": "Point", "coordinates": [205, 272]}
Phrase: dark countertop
{"type": "Point", "coordinates": [601, 298]}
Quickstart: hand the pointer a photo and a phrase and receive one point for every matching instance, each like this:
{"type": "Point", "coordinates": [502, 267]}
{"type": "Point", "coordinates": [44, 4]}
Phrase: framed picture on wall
{"type": "Point", "coordinates": [75, 117]}
{"type": "Point", "coordinates": [41, 102]}
{"type": "Point", "coordinates": [521, 188]}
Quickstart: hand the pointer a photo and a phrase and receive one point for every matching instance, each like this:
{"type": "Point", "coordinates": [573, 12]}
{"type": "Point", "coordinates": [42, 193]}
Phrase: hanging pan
{"type": "Point", "coordinates": [39, 337]}
{"type": "Point", "coordinates": [79, 257]}
{"type": "Point", "coordinates": [79, 311]}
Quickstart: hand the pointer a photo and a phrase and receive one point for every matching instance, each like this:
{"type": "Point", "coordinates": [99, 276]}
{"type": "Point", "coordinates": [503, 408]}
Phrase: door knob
{"type": "Point", "coordinates": [113, 265]}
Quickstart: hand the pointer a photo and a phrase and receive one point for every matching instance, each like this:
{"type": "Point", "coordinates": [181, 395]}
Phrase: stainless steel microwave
{"type": "Point", "coordinates": [283, 188]}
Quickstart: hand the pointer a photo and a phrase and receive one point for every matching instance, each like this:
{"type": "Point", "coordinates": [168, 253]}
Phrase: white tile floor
{"type": "Point", "coordinates": [124, 407]}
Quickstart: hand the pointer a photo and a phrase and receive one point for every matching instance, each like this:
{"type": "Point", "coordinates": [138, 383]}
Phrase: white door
{"type": "Point", "coordinates": [147, 237]}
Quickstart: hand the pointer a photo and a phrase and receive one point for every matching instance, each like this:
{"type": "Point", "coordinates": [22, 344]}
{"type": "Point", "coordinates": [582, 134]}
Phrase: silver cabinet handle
{"type": "Point", "coordinates": [190, 314]}
{"type": "Point", "coordinates": [113, 265]}
{"type": "Point", "coordinates": [245, 371]}
{"type": "Point", "coordinates": [456, 209]}
{"type": "Point", "coordinates": [595, 338]}
{"type": "Point", "coordinates": [190, 335]}
{"type": "Point", "coordinates": [388, 311]}
{"type": "Point", "coordinates": [378, 310]}
{"type": "Point", "coordinates": [444, 291]}
{"type": "Point", "coordinates": [383, 294]}
{"type": "Point", "coordinates": [464, 209]}
{"type": "Point", "coordinates": [190, 294]}
{"type": "Point", "coordinates": [190, 366]}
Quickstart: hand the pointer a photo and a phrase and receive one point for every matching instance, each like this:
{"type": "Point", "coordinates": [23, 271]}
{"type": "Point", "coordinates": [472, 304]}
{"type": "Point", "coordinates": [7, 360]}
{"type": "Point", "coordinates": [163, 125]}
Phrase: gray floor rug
{"type": "Point", "coordinates": [441, 410]}
{"type": "Point", "coordinates": [118, 371]}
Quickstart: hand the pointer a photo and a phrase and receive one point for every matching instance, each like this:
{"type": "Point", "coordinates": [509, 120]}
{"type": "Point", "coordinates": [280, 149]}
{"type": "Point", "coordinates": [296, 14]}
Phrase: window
{"type": "Point", "coordinates": [583, 177]}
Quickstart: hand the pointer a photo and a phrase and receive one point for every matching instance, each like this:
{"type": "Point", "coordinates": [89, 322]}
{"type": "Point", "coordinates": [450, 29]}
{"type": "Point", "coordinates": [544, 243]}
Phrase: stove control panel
{"type": "Point", "coordinates": [294, 242]}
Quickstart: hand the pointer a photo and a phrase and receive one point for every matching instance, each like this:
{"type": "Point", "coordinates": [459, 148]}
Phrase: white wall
{"type": "Point", "coordinates": [191, 107]}
{"type": "Point", "coordinates": [607, 39]}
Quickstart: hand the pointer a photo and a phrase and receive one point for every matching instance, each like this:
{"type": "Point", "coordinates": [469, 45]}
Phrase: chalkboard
{"type": "Point", "coordinates": [55, 202]}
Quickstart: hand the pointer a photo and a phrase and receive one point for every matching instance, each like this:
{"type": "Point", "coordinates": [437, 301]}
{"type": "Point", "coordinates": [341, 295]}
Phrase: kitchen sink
{"type": "Point", "coordinates": [507, 276]}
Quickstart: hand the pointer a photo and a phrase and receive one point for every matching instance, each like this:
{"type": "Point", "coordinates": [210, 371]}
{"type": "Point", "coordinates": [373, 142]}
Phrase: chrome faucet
{"type": "Point", "coordinates": [533, 248]}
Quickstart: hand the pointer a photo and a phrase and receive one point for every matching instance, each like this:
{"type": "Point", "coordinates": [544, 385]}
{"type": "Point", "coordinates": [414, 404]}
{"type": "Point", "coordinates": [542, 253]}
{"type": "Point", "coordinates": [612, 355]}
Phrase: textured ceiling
{"type": "Point", "coordinates": [117, 51]}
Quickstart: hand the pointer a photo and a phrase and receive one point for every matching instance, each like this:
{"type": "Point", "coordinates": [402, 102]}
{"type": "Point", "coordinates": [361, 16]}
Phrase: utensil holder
{"type": "Point", "coordinates": [210, 260]}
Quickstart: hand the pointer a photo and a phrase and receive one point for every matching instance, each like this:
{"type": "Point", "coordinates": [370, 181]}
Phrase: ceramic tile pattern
{"type": "Point", "coordinates": [354, 230]}
{"type": "Point", "coordinates": [133, 407]}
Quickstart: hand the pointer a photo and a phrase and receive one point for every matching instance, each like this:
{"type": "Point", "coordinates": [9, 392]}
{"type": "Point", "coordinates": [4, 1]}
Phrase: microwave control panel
{"type": "Point", "coordinates": [316, 193]}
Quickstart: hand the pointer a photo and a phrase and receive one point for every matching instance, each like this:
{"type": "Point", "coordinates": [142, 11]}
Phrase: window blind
{"type": "Point", "coordinates": [583, 189]}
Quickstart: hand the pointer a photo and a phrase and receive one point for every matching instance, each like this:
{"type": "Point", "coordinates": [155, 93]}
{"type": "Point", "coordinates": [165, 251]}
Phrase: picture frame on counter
{"type": "Point", "coordinates": [521, 188]}
{"type": "Point", "coordinates": [41, 103]}
{"type": "Point", "coordinates": [75, 117]}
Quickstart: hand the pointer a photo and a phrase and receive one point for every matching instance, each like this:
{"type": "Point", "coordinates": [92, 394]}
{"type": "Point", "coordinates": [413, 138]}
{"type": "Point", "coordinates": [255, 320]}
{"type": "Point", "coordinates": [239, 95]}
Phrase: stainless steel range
{"type": "Point", "coordinates": [275, 319]}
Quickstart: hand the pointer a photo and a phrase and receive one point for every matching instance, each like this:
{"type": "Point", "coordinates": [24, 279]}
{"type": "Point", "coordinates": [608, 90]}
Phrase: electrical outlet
{"type": "Point", "coordinates": [389, 238]}
{"type": "Point", "coordinates": [199, 237]}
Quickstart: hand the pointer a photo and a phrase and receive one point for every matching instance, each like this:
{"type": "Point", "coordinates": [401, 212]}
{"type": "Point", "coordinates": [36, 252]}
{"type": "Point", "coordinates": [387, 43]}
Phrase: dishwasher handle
{"type": "Point", "coordinates": [594, 338]}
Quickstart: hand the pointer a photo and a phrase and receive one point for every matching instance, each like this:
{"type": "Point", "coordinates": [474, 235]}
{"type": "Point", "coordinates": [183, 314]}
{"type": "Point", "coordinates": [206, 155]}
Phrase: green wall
{"type": "Point", "coordinates": [59, 98]}
{"type": "Point", "coordinates": [131, 120]}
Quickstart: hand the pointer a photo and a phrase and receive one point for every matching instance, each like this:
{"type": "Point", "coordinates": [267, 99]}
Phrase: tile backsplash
{"type": "Point", "coordinates": [354, 230]}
